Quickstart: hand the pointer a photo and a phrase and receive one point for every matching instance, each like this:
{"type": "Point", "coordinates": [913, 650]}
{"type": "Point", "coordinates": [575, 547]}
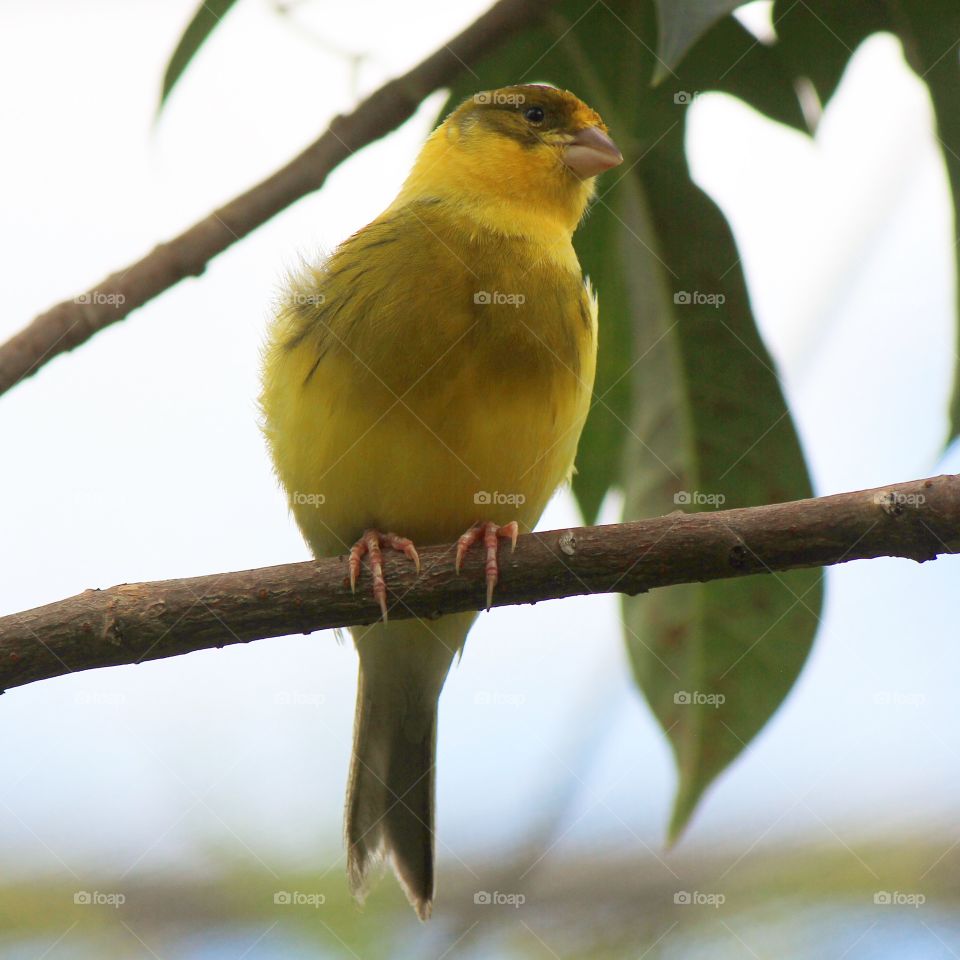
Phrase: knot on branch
{"type": "Point", "coordinates": [894, 503]}
{"type": "Point", "coordinates": [737, 556]}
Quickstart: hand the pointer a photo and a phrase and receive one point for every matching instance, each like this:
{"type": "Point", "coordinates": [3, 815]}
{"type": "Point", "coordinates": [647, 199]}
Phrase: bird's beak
{"type": "Point", "coordinates": [591, 152]}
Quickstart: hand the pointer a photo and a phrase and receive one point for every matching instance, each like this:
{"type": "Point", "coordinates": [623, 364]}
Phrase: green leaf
{"type": "Point", "coordinates": [728, 59]}
{"type": "Point", "coordinates": [682, 23]}
{"type": "Point", "coordinates": [817, 38]}
{"type": "Point", "coordinates": [601, 446]}
{"type": "Point", "coordinates": [208, 15]}
{"type": "Point", "coordinates": [686, 397]}
{"type": "Point", "coordinates": [714, 660]}
{"type": "Point", "coordinates": [928, 32]}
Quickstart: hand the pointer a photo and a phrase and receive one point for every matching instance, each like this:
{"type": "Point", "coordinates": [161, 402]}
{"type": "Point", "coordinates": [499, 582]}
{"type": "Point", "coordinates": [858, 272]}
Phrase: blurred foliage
{"type": "Point", "coordinates": [803, 902]}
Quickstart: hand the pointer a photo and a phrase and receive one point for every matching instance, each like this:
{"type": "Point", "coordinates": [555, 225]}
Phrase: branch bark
{"type": "Point", "coordinates": [146, 621]}
{"type": "Point", "coordinates": [72, 322]}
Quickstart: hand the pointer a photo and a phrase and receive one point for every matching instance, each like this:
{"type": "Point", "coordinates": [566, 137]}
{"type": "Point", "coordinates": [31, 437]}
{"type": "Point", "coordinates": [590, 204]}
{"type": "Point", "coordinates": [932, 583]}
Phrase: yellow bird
{"type": "Point", "coordinates": [429, 382]}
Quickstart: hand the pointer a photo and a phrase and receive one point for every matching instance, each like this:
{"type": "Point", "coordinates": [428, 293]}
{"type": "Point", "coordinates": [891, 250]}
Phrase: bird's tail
{"type": "Point", "coordinates": [390, 793]}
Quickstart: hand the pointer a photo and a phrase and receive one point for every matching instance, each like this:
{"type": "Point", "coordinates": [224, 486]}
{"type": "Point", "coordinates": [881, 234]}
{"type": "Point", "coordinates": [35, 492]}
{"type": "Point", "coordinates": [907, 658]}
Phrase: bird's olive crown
{"type": "Point", "coordinates": [527, 112]}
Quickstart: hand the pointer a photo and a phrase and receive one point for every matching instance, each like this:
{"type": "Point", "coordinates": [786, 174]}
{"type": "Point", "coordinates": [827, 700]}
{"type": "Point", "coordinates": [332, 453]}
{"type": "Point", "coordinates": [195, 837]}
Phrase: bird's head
{"type": "Point", "coordinates": [522, 159]}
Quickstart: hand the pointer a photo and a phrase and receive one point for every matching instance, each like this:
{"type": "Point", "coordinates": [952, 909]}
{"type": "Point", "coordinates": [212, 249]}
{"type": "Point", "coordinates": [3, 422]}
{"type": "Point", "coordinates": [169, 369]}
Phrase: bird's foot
{"type": "Point", "coordinates": [489, 533]}
{"type": "Point", "coordinates": [371, 543]}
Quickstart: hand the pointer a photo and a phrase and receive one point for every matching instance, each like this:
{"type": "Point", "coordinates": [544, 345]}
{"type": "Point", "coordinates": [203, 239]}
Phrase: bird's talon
{"type": "Point", "coordinates": [356, 552]}
{"type": "Point", "coordinates": [489, 533]}
{"type": "Point", "coordinates": [371, 543]}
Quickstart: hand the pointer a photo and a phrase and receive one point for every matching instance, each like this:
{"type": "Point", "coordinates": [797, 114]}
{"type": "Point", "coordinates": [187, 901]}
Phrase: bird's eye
{"type": "Point", "coordinates": [534, 114]}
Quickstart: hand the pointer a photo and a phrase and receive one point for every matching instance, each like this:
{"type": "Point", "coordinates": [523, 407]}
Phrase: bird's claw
{"type": "Point", "coordinates": [371, 543]}
{"type": "Point", "coordinates": [490, 533]}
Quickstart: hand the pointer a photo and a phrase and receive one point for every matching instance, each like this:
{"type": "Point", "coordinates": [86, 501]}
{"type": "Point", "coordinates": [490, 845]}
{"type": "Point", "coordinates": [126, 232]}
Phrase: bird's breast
{"type": "Point", "coordinates": [458, 394]}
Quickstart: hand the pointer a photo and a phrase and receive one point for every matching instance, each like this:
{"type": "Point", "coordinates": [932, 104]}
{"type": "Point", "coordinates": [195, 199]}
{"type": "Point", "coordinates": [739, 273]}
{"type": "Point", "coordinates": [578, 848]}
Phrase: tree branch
{"type": "Point", "coordinates": [75, 321]}
{"type": "Point", "coordinates": [147, 621]}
